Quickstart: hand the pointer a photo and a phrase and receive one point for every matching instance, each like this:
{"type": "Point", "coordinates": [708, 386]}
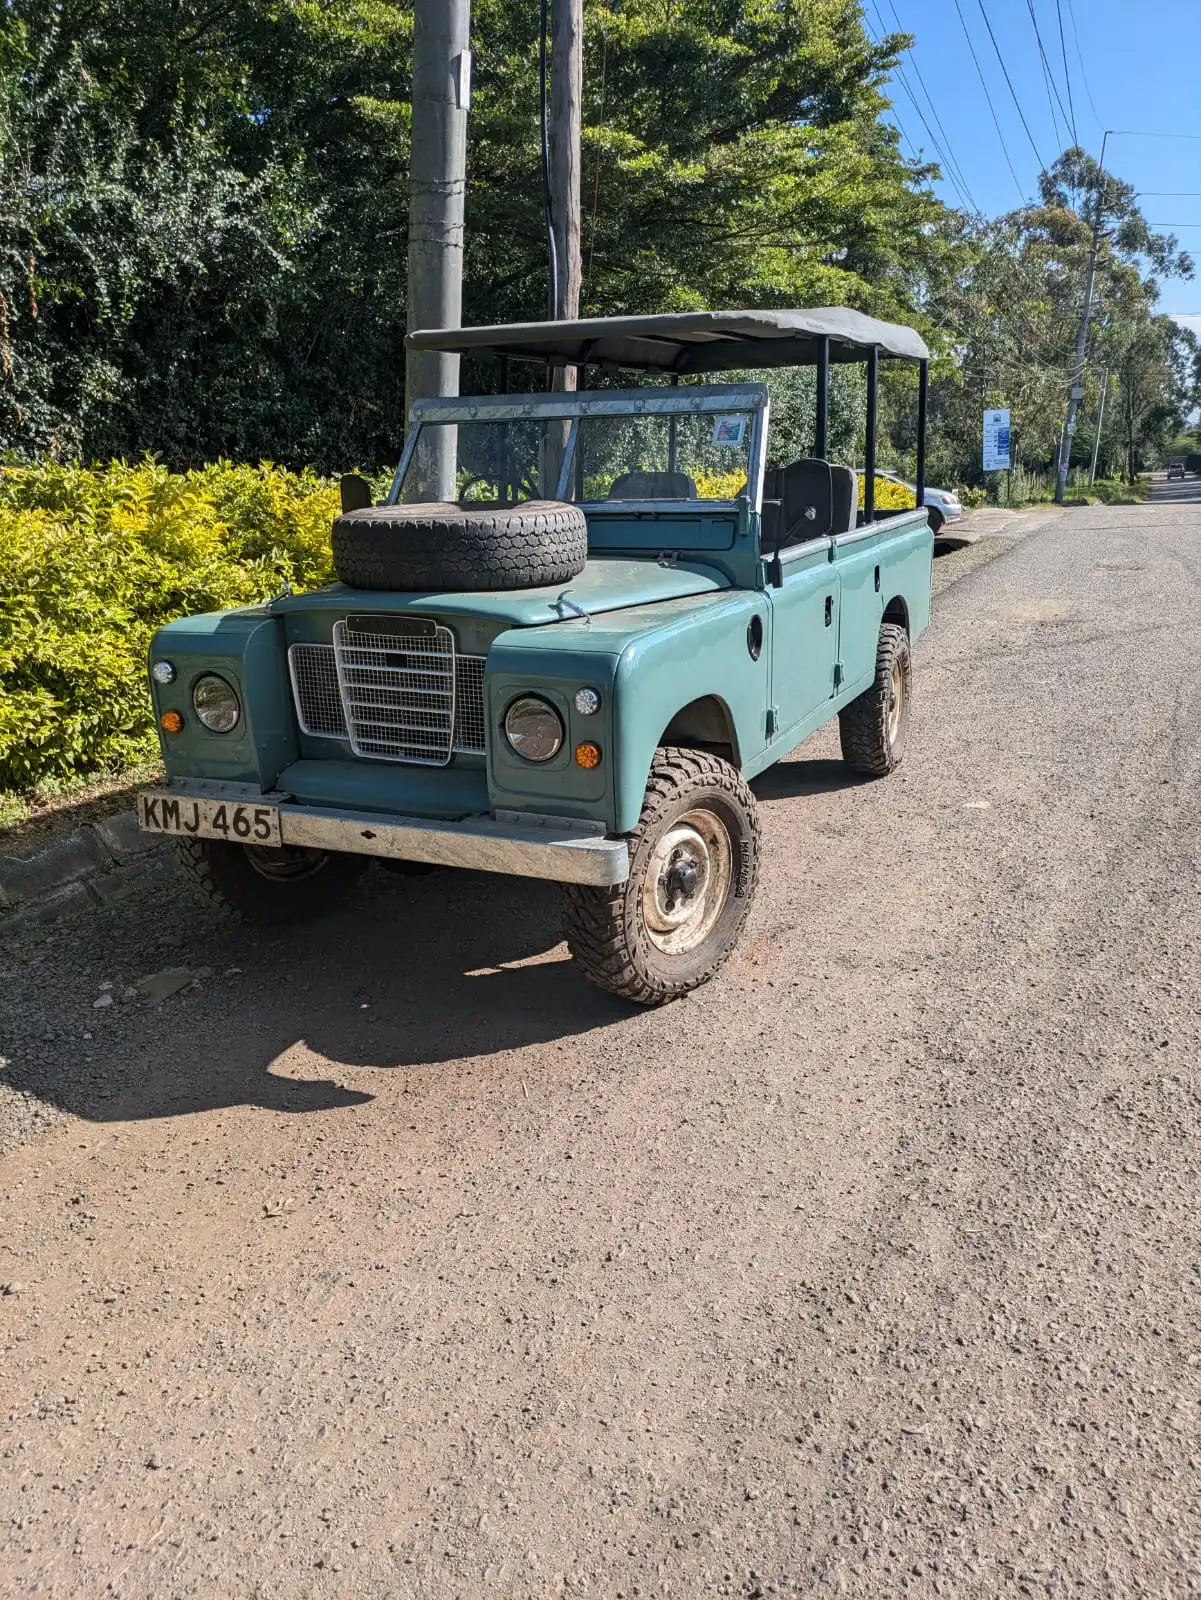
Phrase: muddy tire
{"type": "Point", "coordinates": [694, 865]}
{"type": "Point", "coordinates": [874, 728]}
{"type": "Point", "coordinates": [270, 886]}
{"type": "Point", "coordinates": [447, 547]}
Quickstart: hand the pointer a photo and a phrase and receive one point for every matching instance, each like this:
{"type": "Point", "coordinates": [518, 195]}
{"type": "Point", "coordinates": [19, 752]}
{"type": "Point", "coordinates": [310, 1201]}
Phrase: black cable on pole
{"type": "Point", "coordinates": [1042, 165]}
{"type": "Point", "coordinates": [544, 136]}
{"type": "Point", "coordinates": [1067, 74]}
{"type": "Point", "coordinates": [988, 97]}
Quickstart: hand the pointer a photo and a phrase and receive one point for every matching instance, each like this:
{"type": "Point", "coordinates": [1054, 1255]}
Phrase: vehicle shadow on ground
{"type": "Point", "coordinates": [415, 973]}
{"type": "Point", "coordinates": [788, 779]}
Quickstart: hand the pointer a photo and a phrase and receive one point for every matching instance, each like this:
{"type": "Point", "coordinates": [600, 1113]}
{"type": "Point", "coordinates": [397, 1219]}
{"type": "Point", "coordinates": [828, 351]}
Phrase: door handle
{"type": "Point", "coordinates": [829, 609]}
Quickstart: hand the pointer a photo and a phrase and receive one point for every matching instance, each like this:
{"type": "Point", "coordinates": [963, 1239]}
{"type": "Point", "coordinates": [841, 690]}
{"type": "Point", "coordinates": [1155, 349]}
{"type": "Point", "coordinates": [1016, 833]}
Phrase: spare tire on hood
{"type": "Point", "coordinates": [443, 546]}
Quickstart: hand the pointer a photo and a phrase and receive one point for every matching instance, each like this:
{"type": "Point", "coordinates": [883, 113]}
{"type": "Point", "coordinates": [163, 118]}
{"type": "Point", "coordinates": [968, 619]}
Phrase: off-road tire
{"type": "Point", "coordinates": [873, 740]}
{"type": "Point", "coordinates": [444, 547]}
{"type": "Point", "coordinates": [606, 928]}
{"type": "Point", "coordinates": [226, 874]}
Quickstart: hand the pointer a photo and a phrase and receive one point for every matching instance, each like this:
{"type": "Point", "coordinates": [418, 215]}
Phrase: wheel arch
{"type": "Point", "coordinates": [897, 610]}
{"type": "Point", "coordinates": [705, 723]}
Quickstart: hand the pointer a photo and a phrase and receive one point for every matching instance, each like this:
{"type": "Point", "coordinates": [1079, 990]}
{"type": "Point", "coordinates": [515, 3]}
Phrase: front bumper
{"type": "Point", "coordinates": [520, 843]}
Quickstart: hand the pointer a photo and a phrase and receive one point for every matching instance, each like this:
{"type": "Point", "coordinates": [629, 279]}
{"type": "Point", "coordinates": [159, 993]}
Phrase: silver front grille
{"type": "Point", "coordinates": [469, 705]}
{"type": "Point", "coordinates": [315, 689]}
{"type": "Point", "coordinates": [393, 695]}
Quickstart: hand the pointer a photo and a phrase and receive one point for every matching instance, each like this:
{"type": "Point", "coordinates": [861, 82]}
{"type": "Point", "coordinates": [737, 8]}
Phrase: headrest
{"type": "Point", "coordinates": [846, 498]}
{"type": "Point", "coordinates": [806, 489]}
{"type": "Point", "coordinates": [652, 486]}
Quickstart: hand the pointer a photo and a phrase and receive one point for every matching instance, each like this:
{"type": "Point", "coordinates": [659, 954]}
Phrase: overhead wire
{"type": "Point", "coordinates": [988, 97]}
{"type": "Point", "coordinates": [1048, 77]}
{"type": "Point", "coordinates": [1067, 74]}
{"type": "Point", "coordinates": [934, 110]}
{"type": "Point", "coordinates": [947, 163]}
{"type": "Point", "coordinates": [1083, 69]}
{"type": "Point", "coordinates": [1042, 165]}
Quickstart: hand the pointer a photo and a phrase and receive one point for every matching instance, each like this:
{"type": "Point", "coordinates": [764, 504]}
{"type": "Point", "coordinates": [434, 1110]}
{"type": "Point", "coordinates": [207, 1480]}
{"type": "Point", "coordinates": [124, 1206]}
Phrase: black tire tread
{"type": "Point", "coordinates": [449, 547]}
{"type": "Point", "coordinates": [863, 725]}
{"type": "Point", "coordinates": [216, 877]}
{"type": "Point", "coordinates": [594, 919]}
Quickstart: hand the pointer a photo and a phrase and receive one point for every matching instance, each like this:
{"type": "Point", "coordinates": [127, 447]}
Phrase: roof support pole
{"type": "Point", "coordinates": [566, 119]}
{"type": "Point", "coordinates": [869, 455]}
{"type": "Point", "coordinates": [821, 430]}
{"type": "Point", "coordinates": [923, 401]}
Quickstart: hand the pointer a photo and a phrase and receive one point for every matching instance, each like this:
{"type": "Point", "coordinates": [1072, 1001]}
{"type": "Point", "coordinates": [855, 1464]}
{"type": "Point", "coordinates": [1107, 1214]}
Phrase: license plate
{"type": "Point", "coordinates": [162, 812]}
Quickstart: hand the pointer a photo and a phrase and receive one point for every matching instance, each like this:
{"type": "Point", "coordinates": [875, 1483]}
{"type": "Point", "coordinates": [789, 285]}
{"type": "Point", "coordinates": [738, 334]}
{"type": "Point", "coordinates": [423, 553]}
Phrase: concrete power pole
{"type": "Point", "coordinates": [566, 119]}
{"type": "Point", "coordinates": [437, 185]}
{"type": "Point", "coordinates": [1077, 390]}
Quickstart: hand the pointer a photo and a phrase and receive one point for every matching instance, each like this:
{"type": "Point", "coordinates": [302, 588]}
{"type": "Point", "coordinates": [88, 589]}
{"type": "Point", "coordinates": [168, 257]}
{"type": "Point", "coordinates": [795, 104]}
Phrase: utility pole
{"type": "Point", "coordinates": [1092, 471]}
{"type": "Point", "coordinates": [566, 118]}
{"type": "Point", "coordinates": [1076, 394]}
{"type": "Point", "coordinates": [437, 185]}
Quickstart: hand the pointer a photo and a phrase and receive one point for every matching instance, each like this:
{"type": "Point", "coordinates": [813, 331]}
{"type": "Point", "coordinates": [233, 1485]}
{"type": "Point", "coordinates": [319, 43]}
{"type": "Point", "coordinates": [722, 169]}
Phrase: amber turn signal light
{"type": "Point", "coordinates": [171, 722]}
{"type": "Point", "coordinates": [587, 755]}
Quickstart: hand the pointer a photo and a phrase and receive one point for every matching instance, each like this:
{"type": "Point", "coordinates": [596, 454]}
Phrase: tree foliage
{"type": "Point", "coordinates": [203, 213]}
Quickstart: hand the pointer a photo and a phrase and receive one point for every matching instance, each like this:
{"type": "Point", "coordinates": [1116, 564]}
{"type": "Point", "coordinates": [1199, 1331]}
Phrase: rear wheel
{"type": "Point", "coordinates": [694, 864]}
{"type": "Point", "coordinates": [271, 885]}
{"type": "Point", "coordinates": [873, 729]}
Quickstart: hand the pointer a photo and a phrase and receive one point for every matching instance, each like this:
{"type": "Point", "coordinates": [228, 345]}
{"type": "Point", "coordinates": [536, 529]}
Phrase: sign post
{"type": "Point", "coordinates": [996, 442]}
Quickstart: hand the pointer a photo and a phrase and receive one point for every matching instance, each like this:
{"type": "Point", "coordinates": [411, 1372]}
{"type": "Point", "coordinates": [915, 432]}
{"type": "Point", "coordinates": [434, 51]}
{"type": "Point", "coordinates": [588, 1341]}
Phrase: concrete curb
{"type": "Point", "coordinates": [98, 864]}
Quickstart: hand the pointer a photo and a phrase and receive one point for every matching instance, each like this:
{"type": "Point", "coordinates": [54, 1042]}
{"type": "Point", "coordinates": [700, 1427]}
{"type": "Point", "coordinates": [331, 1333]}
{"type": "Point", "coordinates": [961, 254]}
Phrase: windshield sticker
{"type": "Point", "coordinates": [729, 430]}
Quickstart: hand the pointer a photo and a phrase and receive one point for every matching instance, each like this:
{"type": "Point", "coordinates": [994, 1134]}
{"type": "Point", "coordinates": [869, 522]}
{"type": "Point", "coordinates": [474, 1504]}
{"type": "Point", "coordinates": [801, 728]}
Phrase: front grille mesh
{"type": "Point", "coordinates": [315, 690]}
{"type": "Point", "coordinates": [394, 695]}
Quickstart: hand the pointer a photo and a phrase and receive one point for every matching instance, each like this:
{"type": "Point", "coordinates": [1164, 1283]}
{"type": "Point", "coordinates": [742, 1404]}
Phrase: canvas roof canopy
{"type": "Point", "coordinates": [687, 341]}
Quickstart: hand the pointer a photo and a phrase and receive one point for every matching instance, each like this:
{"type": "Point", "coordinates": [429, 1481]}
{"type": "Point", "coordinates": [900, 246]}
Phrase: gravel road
{"type": "Point", "coordinates": [392, 1261]}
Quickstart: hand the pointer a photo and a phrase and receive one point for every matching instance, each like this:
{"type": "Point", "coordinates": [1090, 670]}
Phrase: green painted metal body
{"type": "Point", "coordinates": [687, 643]}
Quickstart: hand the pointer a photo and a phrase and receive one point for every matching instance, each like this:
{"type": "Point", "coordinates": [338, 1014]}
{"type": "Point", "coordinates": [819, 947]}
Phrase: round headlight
{"type": "Point", "coordinates": [216, 704]}
{"type": "Point", "coordinates": [533, 729]}
{"type": "Point", "coordinates": [587, 702]}
{"type": "Point", "coordinates": [163, 672]}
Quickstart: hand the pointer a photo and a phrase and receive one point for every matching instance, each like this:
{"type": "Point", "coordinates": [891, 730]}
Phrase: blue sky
{"type": "Point", "coordinates": [1138, 67]}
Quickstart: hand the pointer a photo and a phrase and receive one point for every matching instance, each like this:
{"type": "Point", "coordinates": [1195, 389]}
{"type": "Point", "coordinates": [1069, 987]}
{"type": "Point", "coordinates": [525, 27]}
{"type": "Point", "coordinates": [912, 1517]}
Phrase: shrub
{"type": "Point", "coordinates": [890, 496]}
{"type": "Point", "coordinates": [92, 561]}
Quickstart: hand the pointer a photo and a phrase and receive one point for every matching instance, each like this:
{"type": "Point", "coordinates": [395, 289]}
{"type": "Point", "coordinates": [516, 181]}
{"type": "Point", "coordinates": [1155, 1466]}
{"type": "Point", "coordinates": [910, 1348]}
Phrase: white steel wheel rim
{"type": "Point", "coordinates": [896, 701]}
{"type": "Point", "coordinates": [687, 883]}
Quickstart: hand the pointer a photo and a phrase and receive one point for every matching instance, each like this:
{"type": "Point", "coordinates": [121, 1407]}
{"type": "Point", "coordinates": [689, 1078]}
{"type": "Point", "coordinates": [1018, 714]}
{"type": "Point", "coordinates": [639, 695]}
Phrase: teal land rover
{"type": "Point", "coordinates": [577, 627]}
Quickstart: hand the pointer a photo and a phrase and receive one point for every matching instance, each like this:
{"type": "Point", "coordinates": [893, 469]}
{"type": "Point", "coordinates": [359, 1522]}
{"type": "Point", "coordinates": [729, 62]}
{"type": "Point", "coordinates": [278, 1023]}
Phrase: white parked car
{"type": "Point", "coordinates": [942, 504]}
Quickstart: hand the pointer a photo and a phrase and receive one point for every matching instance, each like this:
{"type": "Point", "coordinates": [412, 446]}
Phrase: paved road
{"type": "Point", "coordinates": [393, 1261]}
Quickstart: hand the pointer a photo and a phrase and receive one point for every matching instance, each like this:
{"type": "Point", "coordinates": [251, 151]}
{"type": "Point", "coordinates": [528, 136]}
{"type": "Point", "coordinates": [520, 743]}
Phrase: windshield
{"type": "Point", "coordinates": [689, 456]}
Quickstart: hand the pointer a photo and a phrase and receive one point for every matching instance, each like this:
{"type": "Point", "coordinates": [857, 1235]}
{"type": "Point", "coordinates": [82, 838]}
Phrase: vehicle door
{"type": "Point", "coordinates": [857, 558]}
{"type": "Point", "coordinates": [804, 637]}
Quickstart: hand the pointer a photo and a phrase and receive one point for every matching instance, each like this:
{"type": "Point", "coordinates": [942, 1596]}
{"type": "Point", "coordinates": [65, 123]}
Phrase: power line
{"type": "Point", "coordinates": [1048, 77]}
{"type": "Point", "coordinates": [984, 85]}
{"type": "Point", "coordinates": [948, 165]}
{"type": "Point", "coordinates": [1067, 74]}
{"type": "Point", "coordinates": [1083, 69]}
{"type": "Point", "coordinates": [1142, 133]}
{"type": "Point", "coordinates": [1042, 165]}
{"type": "Point", "coordinates": [934, 112]}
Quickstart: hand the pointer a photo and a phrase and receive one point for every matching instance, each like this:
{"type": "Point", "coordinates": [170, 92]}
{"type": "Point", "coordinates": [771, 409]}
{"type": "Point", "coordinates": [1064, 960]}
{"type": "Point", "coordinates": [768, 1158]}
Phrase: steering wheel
{"type": "Point", "coordinates": [524, 486]}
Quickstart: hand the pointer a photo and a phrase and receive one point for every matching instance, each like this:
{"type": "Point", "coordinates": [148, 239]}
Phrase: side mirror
{"type": "Point", "coordinates": [771, 536]}
{"type": "Point", "coordinates": [355, 491]}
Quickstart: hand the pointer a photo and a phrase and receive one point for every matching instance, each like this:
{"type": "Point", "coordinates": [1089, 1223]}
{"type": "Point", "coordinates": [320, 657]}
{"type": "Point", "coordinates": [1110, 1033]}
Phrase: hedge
{"type": "Point", "coordinates": [92, 561]}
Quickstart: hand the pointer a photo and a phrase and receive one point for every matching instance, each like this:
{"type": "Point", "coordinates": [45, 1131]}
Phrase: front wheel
{"type": "Point", "coordinates": [694, 864]}
{"type": "Point", "coordinates": [873, 729]}
{"type": "Point", "coordinates": [936, 520]}
{"type": "Point", "coordinates": [268, 885]}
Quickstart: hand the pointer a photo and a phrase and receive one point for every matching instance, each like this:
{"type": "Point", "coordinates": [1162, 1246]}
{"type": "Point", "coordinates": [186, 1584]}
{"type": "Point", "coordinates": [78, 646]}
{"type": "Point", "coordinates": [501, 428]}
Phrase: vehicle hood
{"type": "Point", "coordinates": [607, 583]}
